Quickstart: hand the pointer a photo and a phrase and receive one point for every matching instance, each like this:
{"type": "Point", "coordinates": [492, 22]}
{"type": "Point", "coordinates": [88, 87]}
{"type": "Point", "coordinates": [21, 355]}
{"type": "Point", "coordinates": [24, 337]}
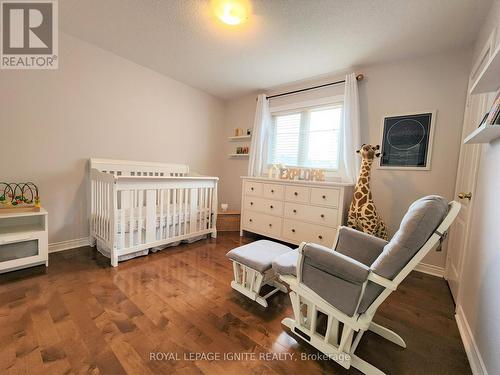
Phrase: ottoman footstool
{"type": "Point", "coordinates": [252, 268]}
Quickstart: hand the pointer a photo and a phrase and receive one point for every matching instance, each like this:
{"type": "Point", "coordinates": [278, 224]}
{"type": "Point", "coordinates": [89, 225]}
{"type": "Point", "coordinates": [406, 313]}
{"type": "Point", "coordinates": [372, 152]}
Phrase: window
{"type": "Point", "coordinates": [308, 138]}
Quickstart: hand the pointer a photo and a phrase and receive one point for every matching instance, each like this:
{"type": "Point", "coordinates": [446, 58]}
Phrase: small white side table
{"type": "Point", "coordinates": [23, 238]}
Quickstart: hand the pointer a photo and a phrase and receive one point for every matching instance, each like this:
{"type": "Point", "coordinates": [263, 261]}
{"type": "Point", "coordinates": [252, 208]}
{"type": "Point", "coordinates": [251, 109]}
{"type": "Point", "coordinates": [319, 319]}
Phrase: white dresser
{"type": "Point", "coordinates": [294, 211]}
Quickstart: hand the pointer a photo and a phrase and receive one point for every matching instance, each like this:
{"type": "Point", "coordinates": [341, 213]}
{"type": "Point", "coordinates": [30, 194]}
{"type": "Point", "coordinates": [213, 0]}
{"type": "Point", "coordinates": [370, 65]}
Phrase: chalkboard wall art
{"type": "Point", "coordinates": [407, 141]}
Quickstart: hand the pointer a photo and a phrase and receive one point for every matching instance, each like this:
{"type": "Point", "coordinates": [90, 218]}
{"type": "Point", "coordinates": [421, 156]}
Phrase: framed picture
{"type": "Point", "coordinates": [407, 141]}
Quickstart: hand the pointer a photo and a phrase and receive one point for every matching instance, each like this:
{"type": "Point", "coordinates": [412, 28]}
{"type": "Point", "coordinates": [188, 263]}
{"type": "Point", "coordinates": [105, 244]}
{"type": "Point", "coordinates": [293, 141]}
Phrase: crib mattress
{"type": "Point", "coordinates": [180, 216]}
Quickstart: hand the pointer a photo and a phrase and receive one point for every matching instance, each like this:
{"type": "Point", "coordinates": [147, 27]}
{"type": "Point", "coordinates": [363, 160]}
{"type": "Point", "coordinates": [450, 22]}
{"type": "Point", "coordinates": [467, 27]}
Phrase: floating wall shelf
{"type": "Point", "coordinates": [489, 78]}
{"type": "Point", "coordinates": [240, 138]}
{"type": "Point", "coordinates": [483, 134]}
{"type": "Point", "coordinates": [238, 155]}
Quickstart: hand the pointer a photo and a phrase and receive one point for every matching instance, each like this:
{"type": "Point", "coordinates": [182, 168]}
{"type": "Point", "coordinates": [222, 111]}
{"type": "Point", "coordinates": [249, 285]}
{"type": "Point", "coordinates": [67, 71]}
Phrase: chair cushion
{"type": "Point", "coordinates": [335, 277]}
{"type": "Point", "coordinates": [419, 223]}
{"type": "Point", "coordinates": [286, 264]}
{"type": "Point", "coordinates": [258, 255]}
{"type": "Point", "coordinates": [358, 245]}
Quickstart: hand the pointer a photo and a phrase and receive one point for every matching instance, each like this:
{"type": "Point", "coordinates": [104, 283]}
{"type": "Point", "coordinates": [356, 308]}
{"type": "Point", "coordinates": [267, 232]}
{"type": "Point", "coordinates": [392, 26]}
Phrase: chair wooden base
{"type": "Point", "coordinates": [249, 282]}
{"type": "Point", "coordinates": [339, 341]}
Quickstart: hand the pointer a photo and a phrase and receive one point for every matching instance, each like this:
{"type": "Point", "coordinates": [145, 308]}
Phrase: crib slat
{"type": "Point", "coordinates": [160, 202]}
{"type": "Point", "coordinates": [193, 210]}
{"type": "Point", "coordinates": [186, 196]}
{"type": "Point", "coordinates": [150, 215]}
{"type": "Point", "coordinates": [98, 207]}
{"type": "Point", "coordinates": [106, 210]}
{"type": "Point", "coordinates": [179, 222]}
{"type": "Point", "coordinates": [210, 200]}
{"type": "Point", "coordinates": [167, 228]}
{"type": "Point", "coordinates": [174, 203]}
{"type": "Point", "coordinates": [101, 197]}
{"type": "Point", "coordinates": [140, 219]}
{"type": "Point", "coordinates": [122, 219]}
{"type": "Point", "coordinates": [198, 211]}
{"type": "Point", "coordinates": [205, 220]}
{"type": "Point", "coordinates": [131, 219]}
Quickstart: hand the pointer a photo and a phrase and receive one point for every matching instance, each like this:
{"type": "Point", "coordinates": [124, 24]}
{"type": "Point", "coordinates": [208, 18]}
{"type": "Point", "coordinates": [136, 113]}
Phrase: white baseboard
{"type": "Point", "coordinates": [67, 245]}
{"type": "Point", "coordinates": [473, 353]}
{"type": "Point", "coordinates": [430, 269]}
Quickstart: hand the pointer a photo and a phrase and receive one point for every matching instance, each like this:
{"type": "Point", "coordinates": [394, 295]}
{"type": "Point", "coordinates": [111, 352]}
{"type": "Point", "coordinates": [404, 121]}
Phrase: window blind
{"type": "Point", "coordinates": [308, 138]}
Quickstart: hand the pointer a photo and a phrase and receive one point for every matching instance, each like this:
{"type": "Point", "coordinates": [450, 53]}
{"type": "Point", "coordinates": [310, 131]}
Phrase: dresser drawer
{"type": "Point", "coordinates": [267, 206]}
{"type": "Point", "coordinates": [319, 215]}
{"type": "Point", "coordinates": [261, 223]}
{"type": "Point", "coordinates": [327, 197]}
{"type": "Point", "coordinates": [252, 188]}
{"type": "Point", "coordinates": [297, 194]}
{"type": "Point", "coordinates": [273, 191]}
{"type": "Point", "coordinates": [298, 232]}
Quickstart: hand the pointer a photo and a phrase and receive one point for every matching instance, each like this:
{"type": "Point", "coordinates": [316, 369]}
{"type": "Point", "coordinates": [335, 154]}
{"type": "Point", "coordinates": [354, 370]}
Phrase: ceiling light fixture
{"type": "Point", "coordinates": [231, 12]}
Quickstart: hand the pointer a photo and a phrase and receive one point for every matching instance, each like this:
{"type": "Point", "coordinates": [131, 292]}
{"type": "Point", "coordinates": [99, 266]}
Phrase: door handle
{"type": "Point", "coordinates": [465, 196]}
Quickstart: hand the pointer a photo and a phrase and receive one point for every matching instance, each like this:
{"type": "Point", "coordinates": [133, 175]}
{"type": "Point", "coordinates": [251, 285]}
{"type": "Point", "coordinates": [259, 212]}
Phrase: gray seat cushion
{"type": "Point", "coordinates": [286, 264]}
{"type": "Point", "coordinates": [258, 255]}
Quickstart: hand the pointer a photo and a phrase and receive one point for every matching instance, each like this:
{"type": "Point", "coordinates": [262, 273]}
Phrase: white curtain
{"type": "Point", "coordinates": [260, 137]}
{"type": "Point", "coordinates": [351, 134]}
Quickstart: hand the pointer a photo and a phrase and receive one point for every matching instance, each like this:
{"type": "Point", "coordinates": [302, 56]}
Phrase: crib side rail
{"type": "Point", "coordinates": [102, 206]}
{"type": "Point", "coordinates": [164, 210]}
{"type": "Point", "coordinates": [138, 168]}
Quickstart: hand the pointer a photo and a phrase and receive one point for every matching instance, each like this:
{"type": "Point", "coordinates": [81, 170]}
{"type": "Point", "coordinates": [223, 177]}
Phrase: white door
{"type": "Point", "coordinates": [464, 193]}
{"type": "Point", "coordinates": [477, 106]}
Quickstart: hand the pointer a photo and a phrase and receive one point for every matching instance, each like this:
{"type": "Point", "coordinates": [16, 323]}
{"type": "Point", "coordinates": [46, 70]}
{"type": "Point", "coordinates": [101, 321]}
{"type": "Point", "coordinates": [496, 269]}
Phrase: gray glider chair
{"type": "Point", "coordinates": [351, 282]}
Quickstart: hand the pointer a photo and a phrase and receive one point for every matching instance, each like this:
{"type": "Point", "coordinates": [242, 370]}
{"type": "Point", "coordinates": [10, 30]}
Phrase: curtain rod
{"type": "Point", "coordinates": [359, 77]}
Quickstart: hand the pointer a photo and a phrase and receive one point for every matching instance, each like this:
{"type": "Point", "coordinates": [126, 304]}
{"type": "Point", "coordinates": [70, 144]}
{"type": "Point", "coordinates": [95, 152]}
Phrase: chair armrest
{"type": "Point", "coordinates": [358, 245]}
{"type": "Point", "coordinates": [336, 264]}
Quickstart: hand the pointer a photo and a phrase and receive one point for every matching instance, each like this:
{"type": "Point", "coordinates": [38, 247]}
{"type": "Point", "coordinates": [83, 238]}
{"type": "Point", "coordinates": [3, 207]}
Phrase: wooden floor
{"type": "Point", "coordinates": [82, 316]}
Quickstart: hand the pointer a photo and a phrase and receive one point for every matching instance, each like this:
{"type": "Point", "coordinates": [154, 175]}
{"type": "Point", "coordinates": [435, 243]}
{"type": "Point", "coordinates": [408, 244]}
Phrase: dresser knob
{"type": "Point", "coordinates": [322, 215]}
{"type": "Point", "coordinates": [293, 230]}
{"type": "Point", "coordinates": [320, 237]}
{"type": "Point", "coordinates": [272, 191]}
{"type": "Point", "coordinates": [251, 203]}
{"type": "Point", "coordinates": [294, 211]}
{"type": "Point", "coordinates": [271, 206]}
{"type": "Point", "coordinates": [251, 188]}
{"type": "Point", "coordinates": [324, 196]}
{"type": "Point", "coordinates": [251, 220]}
{"type": "Point", "coordinates": [270, 225]}
{"type": "Point", "coordinates": [295, 193]}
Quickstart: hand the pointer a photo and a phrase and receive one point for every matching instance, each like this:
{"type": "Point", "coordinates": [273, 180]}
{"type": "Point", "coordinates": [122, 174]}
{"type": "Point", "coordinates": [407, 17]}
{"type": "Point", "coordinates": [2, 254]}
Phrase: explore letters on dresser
{"type": "Point", "coordinates": [294, 211]}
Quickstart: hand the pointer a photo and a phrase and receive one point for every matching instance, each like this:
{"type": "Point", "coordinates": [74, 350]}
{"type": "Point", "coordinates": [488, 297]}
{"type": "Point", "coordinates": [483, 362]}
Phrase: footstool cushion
{"type": "Point", "coordinates": [258, 255]}
{"type": "Point", "coordinates": [286, 264]}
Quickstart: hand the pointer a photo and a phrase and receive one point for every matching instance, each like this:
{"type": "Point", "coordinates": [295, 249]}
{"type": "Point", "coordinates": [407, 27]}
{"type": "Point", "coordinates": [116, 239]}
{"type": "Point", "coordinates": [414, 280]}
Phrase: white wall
{"type": "Point", "coordinates": [479, 294]}
{"type": "Point", "coordinates": [98, 105]}
{"type": "Point", "coordinates": [432, 83]}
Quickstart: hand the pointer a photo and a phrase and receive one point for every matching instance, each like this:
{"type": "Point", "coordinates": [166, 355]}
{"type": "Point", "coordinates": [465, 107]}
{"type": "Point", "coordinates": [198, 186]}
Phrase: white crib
{"type": "Point", "coordinates": [138, 206]}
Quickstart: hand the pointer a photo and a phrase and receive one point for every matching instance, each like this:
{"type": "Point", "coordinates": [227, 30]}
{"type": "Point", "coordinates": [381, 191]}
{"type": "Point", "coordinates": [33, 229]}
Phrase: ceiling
{"type": "Point", "coordinates": [282, 41]}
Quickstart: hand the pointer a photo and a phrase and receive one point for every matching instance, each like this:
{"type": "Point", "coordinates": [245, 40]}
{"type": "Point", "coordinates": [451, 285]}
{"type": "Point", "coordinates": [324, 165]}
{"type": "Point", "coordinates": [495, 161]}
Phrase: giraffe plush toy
{"type": "Point", "coordinates": [363, 215]}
